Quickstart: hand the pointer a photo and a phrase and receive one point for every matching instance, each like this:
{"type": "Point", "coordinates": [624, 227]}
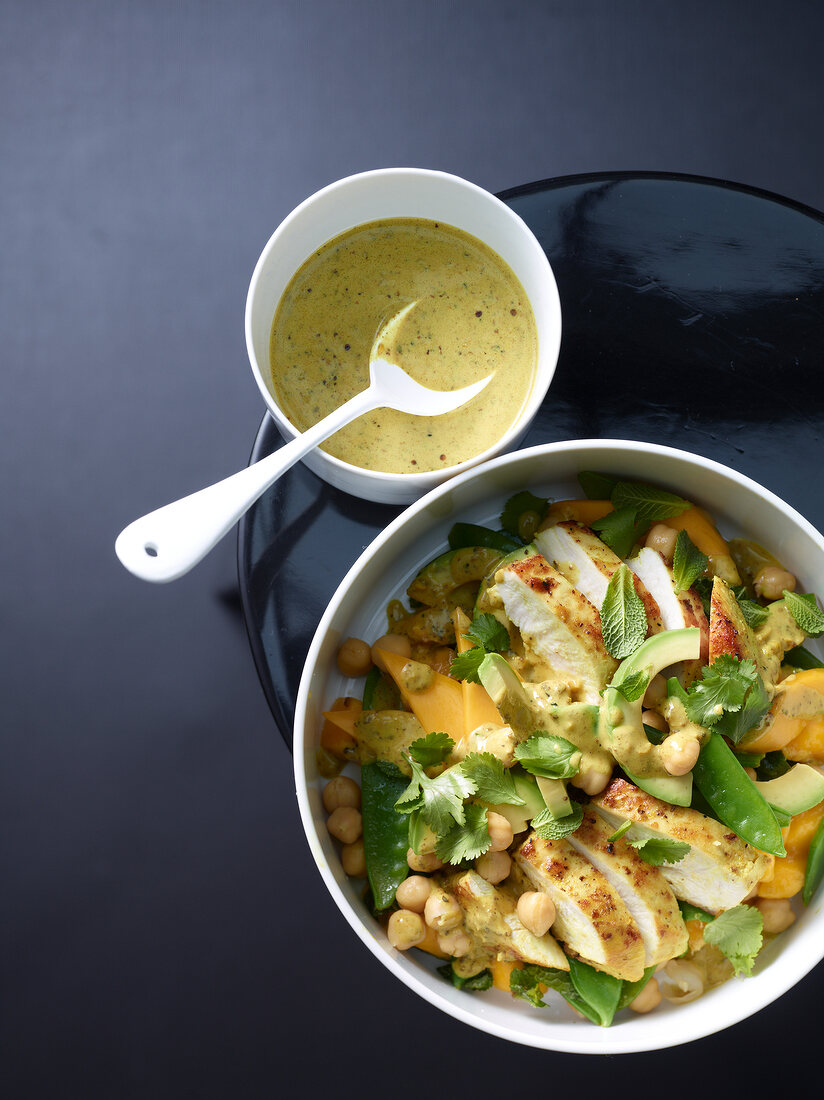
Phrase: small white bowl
{"type": "Point", "coordinates": [400, 193]}
{"type": "Point", "coordinates": [384, 570]}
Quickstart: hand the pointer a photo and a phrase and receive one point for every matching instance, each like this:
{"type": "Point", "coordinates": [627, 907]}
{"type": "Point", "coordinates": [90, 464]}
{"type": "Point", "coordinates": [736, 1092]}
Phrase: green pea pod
{"type": "Point", "coordinates": [732, 796]}
{"type": "Point", "coordinates": [470, 534]}
{"type": "Point", "coordinates": [385, 831]}
{"type": "Point", "coordinates": [815, 865]}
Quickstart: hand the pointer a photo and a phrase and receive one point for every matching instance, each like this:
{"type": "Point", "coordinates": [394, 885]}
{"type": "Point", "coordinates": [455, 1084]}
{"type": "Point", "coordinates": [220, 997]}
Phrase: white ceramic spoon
{"type": "Point", "coordinates": [168, 542]}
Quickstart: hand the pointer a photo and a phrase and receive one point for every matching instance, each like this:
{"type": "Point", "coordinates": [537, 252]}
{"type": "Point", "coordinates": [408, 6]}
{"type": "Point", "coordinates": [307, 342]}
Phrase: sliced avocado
{"type": "Point", "coordinates": [618, 714]}
{"type": "Point", "coordinates": [555, 795]}
{"type": "Point", "coordinates": [505, 689]}
{"type": "Point", "coordinates": [797, 790]}
{"type": "Point", "coordinates": [520, 816]}
{"type": "Point", "coordinates": [455, 567]}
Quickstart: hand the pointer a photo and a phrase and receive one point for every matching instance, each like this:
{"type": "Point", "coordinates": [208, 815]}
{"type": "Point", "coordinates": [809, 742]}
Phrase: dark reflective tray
{"type": "Point", "coordinates": [693, 314]}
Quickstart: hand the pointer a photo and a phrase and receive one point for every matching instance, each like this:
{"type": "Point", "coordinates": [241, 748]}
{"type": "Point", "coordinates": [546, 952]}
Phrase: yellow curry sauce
{"type": "Point", "coordinates": [472, 319]}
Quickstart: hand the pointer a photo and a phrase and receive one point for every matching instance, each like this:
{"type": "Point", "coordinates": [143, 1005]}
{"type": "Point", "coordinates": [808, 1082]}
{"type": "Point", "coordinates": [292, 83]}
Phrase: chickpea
{"type": "Point", "coordinates": [354, 658]}
{"type": "Point", "coordinates": [345, 824]}
{"type": "Point", "coordinates": [500, 831]}
{"type": "Point", "coordinates": [776, 913]}
{"type": "Point", "coordinates": [656, 720]}
{"type": "Point", "coordinates": [648, 999]}
{"type": "Point", "coordinates": [442, 912]}
{"type": "Point", "coordinates": [662, 538]}
{"type": "Point", "coordinates": [592, 776]}
{"type": "Point", "coordinates": [679, 753]}
{"type": "Point", "coordinates": [680, 982]}
{"type": "Point", "coordinates": [395, 643]}
{"type": "Point", "coordinates": [426, 861]}
{"type": "Point", "coordinates": [455, 942]}
{"type": "Point", "coordinates": [656, 691]}
{"type": "Point", "coordinates": [771, 580]}
{"type": "Point", "coordinates": [405, 929]}
{"type": "Point", "coordinates": [751, 772]}
{"type": "Point", "coordinates": [494, 866]}
{"type": "Point", "coordinates": [341, 791]}
{"type": "Point", "coordinates": [353, 859]}
{"type": "Point", "coordinates": [413, 892]}
{"type": "Point", "coordinates": [536, 912]}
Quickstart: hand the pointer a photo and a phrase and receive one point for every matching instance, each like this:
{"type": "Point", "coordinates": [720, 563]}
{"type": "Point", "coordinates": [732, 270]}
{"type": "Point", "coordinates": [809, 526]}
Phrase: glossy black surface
{"type": "Point", "coordinates": [693, 315]}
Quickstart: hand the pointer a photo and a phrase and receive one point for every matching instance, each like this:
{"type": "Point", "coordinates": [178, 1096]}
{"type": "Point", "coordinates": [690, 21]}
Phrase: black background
{"type": "Point", "coordinates": [164, 930]}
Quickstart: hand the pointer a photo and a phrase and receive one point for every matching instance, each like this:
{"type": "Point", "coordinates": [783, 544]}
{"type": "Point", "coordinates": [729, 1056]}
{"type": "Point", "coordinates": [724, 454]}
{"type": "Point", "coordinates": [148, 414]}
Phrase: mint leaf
{"type": "Point", "coordinates": [799, 657]}
{"type": "Point", "coordinates": [722, 687]}
{"type": "Point", "coordinates": [517, 505]}
{"type": "Point", "coordinates": [439, 800]}
{"type": "Point", "coordinates": [597, 486]}
{"type": "Point", "coordinates": [737, 933]}
{"type": "Point", "coordinates": [623, 618]}
{"type": "Point", "coordinates": [478, 982]}
{"type": "Point", "coordinates": [806, 612]}
{"type": "Point", "coordinates": [658, 850]}
{"type": "Point", "coordinates": [488, 633]}
{"type": "Point", "coordinates": [651, 504]}
{"type": "Point", "coordinates": [549, 827]}
{"type": "Point", "coordinates": [632, 686]}
{"type": "Point", "coordinates": [465, 665]}
{"type": "Point", "coordinates": [467, 840]}
{"type": "Point", "coordinates": [432, 749]}
{"type": "Point", "coordinates": [688, 563]}
{"type": "Point", "coordinates": [620, 530]}
{"type": "Point", "coordinates": [753, 612]}
{"type": "Point", "coordinates": [553, 757]}
{"type": "Point", "coordinates": [493, 782]}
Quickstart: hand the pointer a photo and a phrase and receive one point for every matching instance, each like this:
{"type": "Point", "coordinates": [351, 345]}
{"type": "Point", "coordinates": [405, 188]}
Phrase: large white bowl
{"type": "Point", "coordinates": [400, 193]}
{"type": "Point", "coordinates": [741, 507]}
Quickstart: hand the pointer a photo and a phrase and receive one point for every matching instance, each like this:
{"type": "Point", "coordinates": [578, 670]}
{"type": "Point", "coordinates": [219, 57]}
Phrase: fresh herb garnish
{"type": "Point", "coordinates": [493, 782]}
{"type": "Point", "coordinates": [464, 666]}
{"type": "Point", "coordinates": [799, 657]}
{"type": "Point", "coordinates": [432, 749]}
{"type": "Point", "coordinates": [489, 636]}
{"type": "Point", "coordinates": [730, 697]}
{"type": "Point", "coordinates": [737, 933]}
{"type": "Point", "coordinates": [658, 850]}
{"type": "Point", "coordinates": [549, 827]}
{"type": "Point", "coordinates": [439, 801]}
{"type": "Point", "coordinates": [597, 486]}
{"type": "Point", "coordinates": [552, 757]}
{"type": "Point", "coordinates": [753, 612]}
{"type": "Point", "coordinates": [651, 504]}
{"type": "Point", "coordinates": [620, 530]}
{"type": "Point", "coordinates": [688, 563]}
{"type": "Point", "coordinates": [632, 686]}
{"type": "Point", "coordinates": [806, 612]}
{"type": "Point", "coordinates": [467, 839]}
{"type": "Point", "coordinates": [623, 617]}
{"type": "Point", "coordinates": [517, 505]}
{"type": "Point", "coordinates": [622, 830]}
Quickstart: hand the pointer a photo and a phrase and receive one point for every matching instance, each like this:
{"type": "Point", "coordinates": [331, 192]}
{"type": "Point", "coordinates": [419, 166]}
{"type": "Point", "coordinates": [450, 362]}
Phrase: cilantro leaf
{"type": "Point", "coordinates": [487, 632]}
{"type": "Point", "coordinates": [480, 981]}
{"type": "Point", "coordinates": [517, 505]}
{"type": "Point", "coordinates": [467, 840]}
{"type": "Point", "coordinates": [623, 617]}
{"type": "Point", "coordinates": [632, 686]}
{"type": "Point", "coordinates": [806, 612]}
{"type": "Point", "coordinates": [549, 827]}
{"type": "Point", "coordinates": [597, 486]}
{"type": "Point", "coordinates": [440, 800]}
{"type": "Point", "coordinates": [737, 933]}
{"type": "Point", "coordinates": [553, 757]}
{"type": "Point", "coordinates": [658, 850]}
{"type": "Point", "coordinates": [493, 782]}
{"type": "Point", "coordinates": [651, 504]}
{"type": "Point", "coordinates": [734, 724]}
{"type": "Point", "coordinates": [620, 530]}
{"type": "Point", "coordinates": [688, 563]}
{"type": "Point", "coordinates": [432, 749]}
{"type": "Point", "coordinates": [722, 687]}
{"type": "Point", "coordinates": [464, 666]}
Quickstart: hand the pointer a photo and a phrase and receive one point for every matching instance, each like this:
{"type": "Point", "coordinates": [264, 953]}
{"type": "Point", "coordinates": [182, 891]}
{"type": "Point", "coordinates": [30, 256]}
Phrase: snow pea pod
{"type": "Point", "coordinates": [815, 865]}
{"type": "Point", "coordinates": [732, 796]}
{"type": "Point", "coordinates": [385, 831]}
{"type": "Point", "coordinates": [471, 534]}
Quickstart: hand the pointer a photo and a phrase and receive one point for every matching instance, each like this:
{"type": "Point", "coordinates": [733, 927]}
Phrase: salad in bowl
{"type": "Point", "coordinates": [571, 766]}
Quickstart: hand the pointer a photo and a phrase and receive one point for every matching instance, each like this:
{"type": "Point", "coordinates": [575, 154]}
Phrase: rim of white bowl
{"type": "Point", "coordinates": [539, 390]}
{"type": "Point", "coordinates": [693, 1022]}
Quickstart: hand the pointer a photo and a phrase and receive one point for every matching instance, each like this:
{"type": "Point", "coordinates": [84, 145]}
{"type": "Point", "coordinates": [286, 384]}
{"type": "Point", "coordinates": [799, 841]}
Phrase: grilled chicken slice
{"type": "Point", "coordinates": [558, 624]}
{"type": "Point", "coordinates": [592, 919]}
{"type": "Point", "coordinates": [588, 564]}
{"type": "Point", "coordinates": [643, 889]}
{"type": "Point", "coordinates": [678, 609]}
{"type": "Point", "coordinates": [730, 633]}
{"type": "Point", "coordinates": [719, 870]}
{"type": "Point", "coordinates": [491, 920]}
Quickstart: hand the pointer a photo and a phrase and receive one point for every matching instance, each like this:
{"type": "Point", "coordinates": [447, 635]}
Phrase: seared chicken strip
{"type": "Point", "coordinates": [588, 564]}
{"type": "Point", "coordinates": [643, 889]}
{"type": "Point", "coordinates": [592, 919]}
{"type": "Point", "coordinates": [558, 624]}
{"type": "Point", "coordinates": [491, 920]}
{"type": "Point", "coordinates": [730, 633]}
{"type": "Point", "coordinates": [719, 870]}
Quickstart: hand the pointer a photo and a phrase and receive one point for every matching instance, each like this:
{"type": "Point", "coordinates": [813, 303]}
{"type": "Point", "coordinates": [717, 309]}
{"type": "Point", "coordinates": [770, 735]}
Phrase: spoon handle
{"type": "Point", "coordinates": [168, 542]}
